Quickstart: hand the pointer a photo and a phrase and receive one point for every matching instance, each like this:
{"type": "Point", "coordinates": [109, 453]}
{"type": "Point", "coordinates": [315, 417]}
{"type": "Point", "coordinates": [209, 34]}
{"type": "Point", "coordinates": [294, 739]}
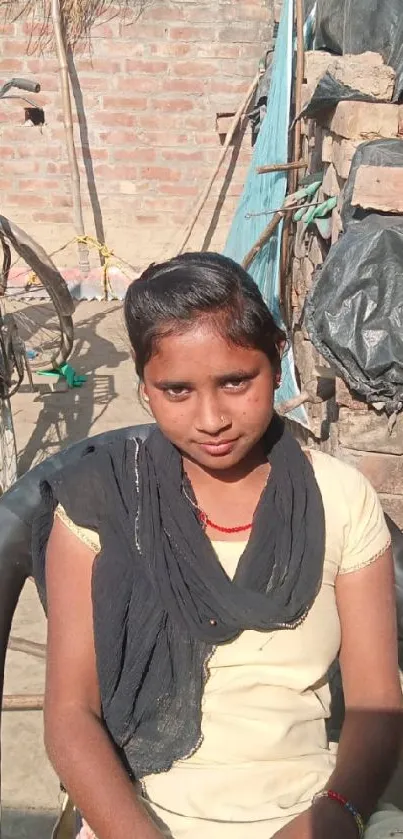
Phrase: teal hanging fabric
{"type": "Point", "coordinates": [264, 194]}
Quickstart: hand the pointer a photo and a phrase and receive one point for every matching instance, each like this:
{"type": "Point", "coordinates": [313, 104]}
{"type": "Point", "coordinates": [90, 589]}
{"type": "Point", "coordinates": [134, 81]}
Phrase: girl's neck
{"type": "Point", "coordinates": [256, 460]}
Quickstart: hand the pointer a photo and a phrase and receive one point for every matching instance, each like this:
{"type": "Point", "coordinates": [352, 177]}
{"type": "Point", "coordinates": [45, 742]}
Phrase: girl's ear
{"type": "Point", "coordinates": [143, 393]}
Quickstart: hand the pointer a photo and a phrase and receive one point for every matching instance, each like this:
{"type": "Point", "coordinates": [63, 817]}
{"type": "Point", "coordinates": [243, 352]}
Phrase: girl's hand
{"type": "Point", "coordinates": [324, 820]}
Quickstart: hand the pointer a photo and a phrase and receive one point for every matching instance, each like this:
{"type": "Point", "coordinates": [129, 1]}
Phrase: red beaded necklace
{"type": "Point", "coordinates": [206, 521]}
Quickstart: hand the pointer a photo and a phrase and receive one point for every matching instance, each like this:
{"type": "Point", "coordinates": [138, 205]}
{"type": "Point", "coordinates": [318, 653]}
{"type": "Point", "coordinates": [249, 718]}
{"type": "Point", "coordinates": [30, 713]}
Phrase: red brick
{"type": "Point", "coordinates": [238, 33]}
{"type": "Point", "coordinates": [117, 137]}
{"type": "Point", "coordinates": [160, 173]}
{"type": "Point", "coordinates": [104, 170]}
{"type": "Point", "coordinates": [95, 154]}
{"type": "Point", "coordinates": [126, 103]}
{"type": "Point", "coordinates": [59, 201]}
{"type": "Point", "coordinates": [180, 190]}
{"type": "Point", "coordinates": [144, 31]}
{"type": "Point", "coordinates": [192, 33]}
{"type": "Point", "coordinates": [164, 13]}
{"type": "Point", "coordinates": [52, 217]}
{"type": "Point", "coordinates": [171, 49]}
{"type": "Point", "coordinates": [182, 154]}
{"type": "Point", "coordinates": [13, 47]}
{"type": "Point", "coordinates": [194, 68]}
{"type": "Point", "coordinates": [192, 86]}
{"type": "Point", "coordinates": [126, 119]}
{"type": "Point", "coordinates": [138, 65]}
{"type": "Point", "coordinates": [235, 86]}
{"type": "Point", "coordinates": [139, 84]}
{"type": "Point", "coordinates": [163, 138]}
{"type": "Point", "coordinates": [27, 199]}
{"type": "Point", "coordinates": [171, 105]}
{"type": "Point", "coordinates": [8, 29]}
{"type": "Point", "coordinates": [139, 155]}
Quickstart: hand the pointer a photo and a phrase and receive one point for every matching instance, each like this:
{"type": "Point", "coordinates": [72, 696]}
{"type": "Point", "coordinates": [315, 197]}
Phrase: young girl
{"type": "Point", "coordinates": [199, 586]}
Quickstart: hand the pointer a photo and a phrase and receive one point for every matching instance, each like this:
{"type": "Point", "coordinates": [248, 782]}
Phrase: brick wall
{"type": "Point", "coordinates": [146, 100]}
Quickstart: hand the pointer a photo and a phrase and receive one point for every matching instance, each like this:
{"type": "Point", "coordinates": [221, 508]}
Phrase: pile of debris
{"type": "Point", "coordinates": [347, 275]}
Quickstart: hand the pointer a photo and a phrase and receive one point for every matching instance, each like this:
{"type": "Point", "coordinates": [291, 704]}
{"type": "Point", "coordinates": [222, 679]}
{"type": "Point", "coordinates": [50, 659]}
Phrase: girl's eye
{"type": "Point", "coordinates": [177, 392]}
{"type": "Point", "coordinates": [236, 384]}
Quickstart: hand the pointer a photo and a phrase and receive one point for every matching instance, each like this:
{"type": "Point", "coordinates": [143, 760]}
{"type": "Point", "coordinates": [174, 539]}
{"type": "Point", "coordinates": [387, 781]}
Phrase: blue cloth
{"type": "Point", "coordinates": [263, 194]}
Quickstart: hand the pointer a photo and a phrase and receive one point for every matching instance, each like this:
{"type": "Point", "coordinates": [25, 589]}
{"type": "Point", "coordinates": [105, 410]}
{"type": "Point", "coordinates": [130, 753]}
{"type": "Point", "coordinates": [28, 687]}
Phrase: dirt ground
{"type": "Point", "coordinates": [44, 423]}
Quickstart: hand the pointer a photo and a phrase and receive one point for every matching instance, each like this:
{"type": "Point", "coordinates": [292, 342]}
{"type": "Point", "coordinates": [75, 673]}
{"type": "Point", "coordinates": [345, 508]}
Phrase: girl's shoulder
{"type": "Point", "coordinates": [353, 512]}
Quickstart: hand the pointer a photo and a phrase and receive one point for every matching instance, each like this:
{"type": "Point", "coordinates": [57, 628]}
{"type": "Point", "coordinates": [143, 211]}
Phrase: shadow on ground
{"type": "Point", "coordinates": [100, 353]}
{"type": "Point", "coordinates": [26, 824]}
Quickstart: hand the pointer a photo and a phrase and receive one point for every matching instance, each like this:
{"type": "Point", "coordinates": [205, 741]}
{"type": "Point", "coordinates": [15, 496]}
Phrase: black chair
{"type": "Point", "coordinates": [17, 510]}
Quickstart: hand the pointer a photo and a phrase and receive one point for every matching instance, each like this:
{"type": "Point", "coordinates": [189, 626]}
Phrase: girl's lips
{"type": "Point", "coordinates": [218, 449]}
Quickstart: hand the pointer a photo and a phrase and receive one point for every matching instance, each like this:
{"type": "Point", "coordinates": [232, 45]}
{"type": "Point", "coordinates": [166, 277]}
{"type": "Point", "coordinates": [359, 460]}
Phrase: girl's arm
{"type": "Point", "coordinates": [77, 742]}
{"type": "Point", "coordinates": [371, 737]}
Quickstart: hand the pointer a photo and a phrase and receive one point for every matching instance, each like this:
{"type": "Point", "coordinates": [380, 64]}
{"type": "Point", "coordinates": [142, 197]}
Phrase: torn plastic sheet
{"type": "Point", "coordinates": [354, 311]}
{"type": "Point", "coordinates": [372, 153]}
{"type": "Point", "coordinates": [329, 92]}
{"type": "Point", "coordinates": [355, 26]}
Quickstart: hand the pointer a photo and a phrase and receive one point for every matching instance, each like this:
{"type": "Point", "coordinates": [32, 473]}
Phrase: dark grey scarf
{"type": "Point", "coordinates": [161, 598]}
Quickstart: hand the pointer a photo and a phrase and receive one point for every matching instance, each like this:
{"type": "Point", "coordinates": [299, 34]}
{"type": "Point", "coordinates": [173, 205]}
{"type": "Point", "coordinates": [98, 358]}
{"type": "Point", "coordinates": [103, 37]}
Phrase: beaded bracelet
{"type": "Point", "coordinates": [335, 796]}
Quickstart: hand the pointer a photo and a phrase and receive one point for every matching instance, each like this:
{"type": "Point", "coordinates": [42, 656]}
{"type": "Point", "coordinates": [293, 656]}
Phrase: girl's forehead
{"type": "Point", "coordinates": [197, 353]}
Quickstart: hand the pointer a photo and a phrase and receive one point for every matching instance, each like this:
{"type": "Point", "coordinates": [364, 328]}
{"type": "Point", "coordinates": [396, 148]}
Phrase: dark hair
{"type": "Point", "coordinates": [169, 297]}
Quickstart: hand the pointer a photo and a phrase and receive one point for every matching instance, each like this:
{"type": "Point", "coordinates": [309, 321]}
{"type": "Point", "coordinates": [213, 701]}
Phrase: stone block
{"type": "Point", "coordinates": [331, 185]}
{"type": "Point", "coordinates": [363, 120]}
{"type": "Point", "coordinates": [337, 226]}
{"type": "Point", "coordinates": [327, 147]}
{"type": "Point", "coordinates": [316, 252]}
{"type": "Point", "coordinates": [345, 399]}
{"type": "Point", "coordinates": [393, 506]}
{"type": "Point", "coordinates": [379, 188]}
{"type": "Point", "coordinates": [367, 431]}
{"type": "Point", "coordinates": [365, 72]}
{"type": "Point", "coordinates": [384, 471]}
{"type": "Point", "coordinates": [343, 152]}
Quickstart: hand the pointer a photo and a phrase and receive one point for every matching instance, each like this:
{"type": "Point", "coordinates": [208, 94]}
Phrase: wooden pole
{"type": "Point", "coordinates": [60, 46]}
{"type": "Point", "coordinates": [206, 192]}
{"type": "Point", "coordinates": [23, 702]}
{"type": "Point", "coordinates": [21, 645]}
{"type": "Point", "coordinates": [263, 238]}
{"type": "Point", "coordinates": [293, 179]}
{"type": "Point", "coordinates": [299, 78]}
{"type": "Point", "coordinates": [281, 167]}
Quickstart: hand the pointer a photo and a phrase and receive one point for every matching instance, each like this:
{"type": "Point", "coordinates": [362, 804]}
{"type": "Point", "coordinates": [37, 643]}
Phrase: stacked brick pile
{"type": "Point", "coordinates": [340, 422]}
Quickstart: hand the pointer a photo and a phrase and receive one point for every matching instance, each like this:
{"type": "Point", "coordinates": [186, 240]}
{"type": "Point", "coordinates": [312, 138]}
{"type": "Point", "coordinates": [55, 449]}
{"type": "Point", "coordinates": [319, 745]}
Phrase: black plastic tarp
{"type": "Point", "coordinates": [329, 92]}
{"type": "Point", "coordinates": [373, 153]}
{"type": "Point", "coordinates": [354, 311]}
{"type": "Point", "coordinates": [355, 26]}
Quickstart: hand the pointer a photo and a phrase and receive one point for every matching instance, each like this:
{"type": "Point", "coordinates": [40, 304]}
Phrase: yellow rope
{"type": "Point", "coordinates": [108, 256]}
{"type": "Point", "coordinates": [32, 279]}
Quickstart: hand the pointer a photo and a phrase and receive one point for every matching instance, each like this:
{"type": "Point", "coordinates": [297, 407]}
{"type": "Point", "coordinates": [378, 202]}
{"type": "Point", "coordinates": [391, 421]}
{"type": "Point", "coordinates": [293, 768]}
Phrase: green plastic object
{"type": "Point", "coordinates": [320, 211]}
{"type": "Point", "coordinates": [68, 373]}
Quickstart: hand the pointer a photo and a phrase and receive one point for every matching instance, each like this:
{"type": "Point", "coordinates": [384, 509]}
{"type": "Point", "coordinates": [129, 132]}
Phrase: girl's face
{"type": "Point", "coordinates": [212, 399]}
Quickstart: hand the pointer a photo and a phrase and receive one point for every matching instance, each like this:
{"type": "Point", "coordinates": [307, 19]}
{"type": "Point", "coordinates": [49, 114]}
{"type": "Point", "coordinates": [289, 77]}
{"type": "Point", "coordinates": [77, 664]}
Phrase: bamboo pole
{"type": "Point", "coordinates": [83, 253]}
{"type": "Point", "coordinates": [281, 167]}
{"type": "Point", "coordinates": [23, 702]}
{"type": "Point", "coordinates": [293, 179]}
{"type": "Point", "coordinates": [299, 78]}
{"type": "Point", "coordinates": [263, 238]}
{"type": "Point", "coordinates": [21, 645]}
{"type": "Point", "coordinates": [206, 192]}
